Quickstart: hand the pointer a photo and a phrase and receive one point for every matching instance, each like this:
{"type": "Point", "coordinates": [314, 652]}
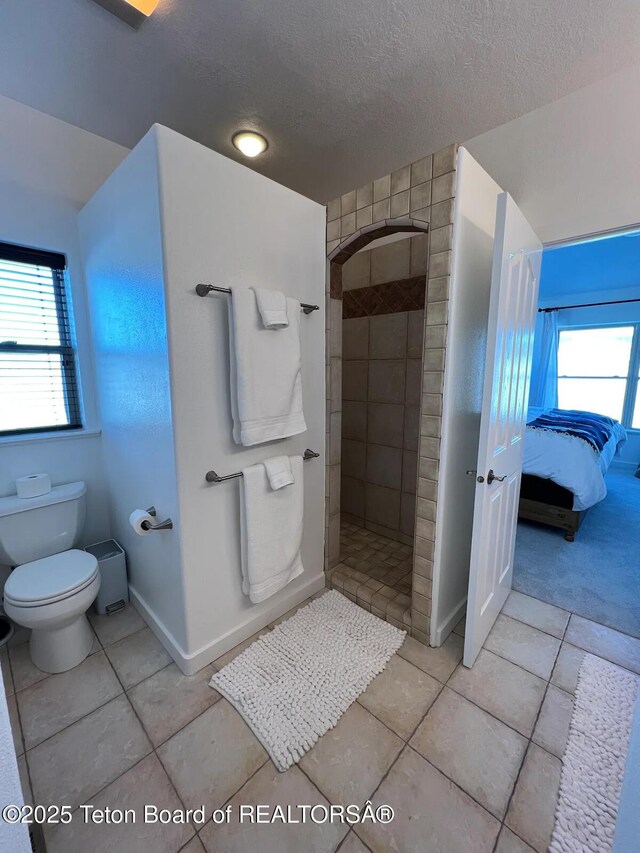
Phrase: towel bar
{"type": "Point", "coordinates": [205, 289]}
{"type": "Point", "coordinates": [212, 477]}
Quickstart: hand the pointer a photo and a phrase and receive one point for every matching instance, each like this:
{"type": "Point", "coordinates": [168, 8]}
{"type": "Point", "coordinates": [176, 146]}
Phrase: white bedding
{"type": "Point", "coordinates": [570, 462]}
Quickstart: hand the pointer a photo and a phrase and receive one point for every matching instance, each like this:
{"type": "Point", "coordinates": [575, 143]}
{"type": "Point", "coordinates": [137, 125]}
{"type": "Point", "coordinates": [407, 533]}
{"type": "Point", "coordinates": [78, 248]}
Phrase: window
{"type": "Point", "coordinates": [598, 371]}
{"type": "Point", "coordinates": [38, 384]}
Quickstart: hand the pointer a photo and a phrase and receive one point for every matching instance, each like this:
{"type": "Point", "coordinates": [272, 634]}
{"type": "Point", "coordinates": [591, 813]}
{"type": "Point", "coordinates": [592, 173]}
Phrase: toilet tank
{"type": "Point", "coordinates": [32, 528]}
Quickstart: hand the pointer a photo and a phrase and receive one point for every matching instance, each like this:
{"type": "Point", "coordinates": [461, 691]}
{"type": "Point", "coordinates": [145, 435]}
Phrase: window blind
{"type": "Point", "coordinates": [38, 377]}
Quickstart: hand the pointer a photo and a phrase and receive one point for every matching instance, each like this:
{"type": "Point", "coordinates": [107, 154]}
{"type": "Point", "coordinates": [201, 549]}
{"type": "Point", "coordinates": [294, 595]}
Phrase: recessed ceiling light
{"type": "Point", "coordinates": [249, 143]}
{"type": "Point", "coordinates": [132, 12]}
{"type": "Point", "coordinates": [144, 6]}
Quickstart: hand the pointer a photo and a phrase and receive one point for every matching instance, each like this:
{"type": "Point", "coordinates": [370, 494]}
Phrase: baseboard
{"type": "Point", "coordinates": [450, 621]}
{"type": "Point", "coordinates": [191, 663]}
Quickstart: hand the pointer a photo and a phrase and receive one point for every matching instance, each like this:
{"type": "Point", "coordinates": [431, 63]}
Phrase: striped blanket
{"type": "Point", "coordinates": [596, 430]}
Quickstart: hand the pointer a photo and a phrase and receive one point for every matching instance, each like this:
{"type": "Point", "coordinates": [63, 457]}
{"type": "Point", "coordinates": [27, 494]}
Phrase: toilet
{"type": "Point", "coordinates": [53, 584]}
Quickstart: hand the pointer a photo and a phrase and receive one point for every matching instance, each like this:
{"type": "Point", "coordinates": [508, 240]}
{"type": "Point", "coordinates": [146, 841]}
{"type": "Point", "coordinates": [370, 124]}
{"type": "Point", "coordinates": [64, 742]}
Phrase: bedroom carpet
{"type": "Point", "coordinates": [598, 575]}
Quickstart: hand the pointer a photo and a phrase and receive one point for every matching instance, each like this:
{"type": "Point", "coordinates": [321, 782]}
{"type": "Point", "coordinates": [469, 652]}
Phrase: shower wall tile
{"type": "Point", "coordinates": [386, 381]}
{"type": "Point", "coordinates": [382, 506]}
{"type": "Point", "coordinates": [439, 264]}
{"type": "Point", "coordinates": [364, 196]}
{"type": "Point", "coordinates": [438, 290]}
{"type": "Point", "coordinates": [431, 403]}
{"type": "Point", "coordinates": [354, 420]}
{"type": "Point", "coordinates": [415, 334]}
{"type": "Point", "coordinates": [355, 338]}
{"type": "Point", "coordinates": [413, 382]}
{"type": "Point", "coordinates": [409, 472]}
{"type": "Point", "coordinates": [422, 170]}
{"type": "Point", "coordinates": [419, 254]}
{"type": "Point", "coordinates": [335, 332]}
{"type": "Point", "coordinates": [354, 379]}
{"type": "Point", "coordinates": [347, 225]}
{"type": "Point", "coordinates": [384, 466]}
{"type": "Point", "coordinates": [336, 384]}
{"type": "Point", "coordinates": [438, 313]}
{"type": "Point", "coordinates": [381, 210]}
{"type": "Point", "coordinates": [441, 239]}
{"type": "Point", "coordinates": [428, 468]}
{"type": "Point", "coordinates": [354, 456]}
{"type": "Point", "coordinates": [385, 424]}
{"type": "Point", "coordinates": [364, 217]}
{"type": "Point", "coordinates": [390, 262]}
{"type": "Point", "coordinates": [400, 180]}
{"type": "Point", "coordinates": [333, 210]}
{"type": "Point", "coordinates": [407, 514]}
{"type": "Point", "coordinates": [427, 488]}
{"type": "Point", "coordinates": [333, 230]}
{"type": "Point", "coordinates": [435, 337]}
{"type": "Point", "coordinates": [334, 489]}
{"type": "Point", "coordinates": [352, 496]}
{"type": "Point", "coordinates": [348, 203]}
{"type": "Point", "coordinates": [357, 271]}
{"type": "Point", "coordinates": [388, 335]}
{"type": "Point", "coordinates": [335, 438]}
{"type": "Point", "coordinates": [420, 196]}
{"type": "Point", "coordinates": [441, 214]}
{"type": "Point", "coordinates": [399, 204]}
{"type": "Point", "coordinates": [382, 188]}
{"type": "Point", "coordinates": [443, 187]}
{"type": "Point", "coordinates": [411, 435]}
{"type": "Point", "coordinates": [444, 160]}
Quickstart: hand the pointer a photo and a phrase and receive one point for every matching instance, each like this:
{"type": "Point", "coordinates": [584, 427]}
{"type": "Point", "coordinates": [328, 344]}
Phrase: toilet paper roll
{"type": "Point", "coordinates": [33, 485]}
{"type": "Point", "coordinates": [137, 518]}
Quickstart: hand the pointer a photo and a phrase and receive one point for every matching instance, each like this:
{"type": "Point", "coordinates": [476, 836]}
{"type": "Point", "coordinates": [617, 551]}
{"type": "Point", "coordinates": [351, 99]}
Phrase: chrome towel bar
{"type": "Point", "coordinates": [205, 289]}
{"type": "Point", "coordinates": [212, 477]}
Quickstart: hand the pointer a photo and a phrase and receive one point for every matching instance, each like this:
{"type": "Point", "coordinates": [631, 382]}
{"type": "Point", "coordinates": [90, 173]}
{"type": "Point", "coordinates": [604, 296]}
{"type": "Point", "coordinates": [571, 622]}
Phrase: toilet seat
{"type": "Point", "coordinates": [50, 579]}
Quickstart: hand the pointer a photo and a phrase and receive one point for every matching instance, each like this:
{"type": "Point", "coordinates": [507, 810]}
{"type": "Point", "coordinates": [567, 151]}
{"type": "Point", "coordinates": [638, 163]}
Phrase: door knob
{"type": "Point", "coordinates": [491, 477]}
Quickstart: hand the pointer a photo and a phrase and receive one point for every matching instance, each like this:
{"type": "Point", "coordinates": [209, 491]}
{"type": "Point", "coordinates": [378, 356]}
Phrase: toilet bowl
{"type": "Point", "coordinates": [51, 596]}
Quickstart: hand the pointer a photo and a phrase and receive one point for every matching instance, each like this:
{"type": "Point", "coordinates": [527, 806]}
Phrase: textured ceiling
{"type": "Point", "coordinates": [345, 90]}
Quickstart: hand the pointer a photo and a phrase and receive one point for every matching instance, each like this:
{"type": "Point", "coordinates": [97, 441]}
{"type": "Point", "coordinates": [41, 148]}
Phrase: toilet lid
{"type": "Point", "coordinates": [51, 578]}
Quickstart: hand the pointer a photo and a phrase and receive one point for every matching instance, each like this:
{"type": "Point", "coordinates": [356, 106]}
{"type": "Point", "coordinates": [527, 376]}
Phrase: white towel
{"type": "Point", "coordinates": [271, 531]}
{"type": "Point", "coordinates": [266, 382]}
{"type": "Point", "coordinates": [279, 472]}
{"type": "Point", "coordinates": [272, 305]}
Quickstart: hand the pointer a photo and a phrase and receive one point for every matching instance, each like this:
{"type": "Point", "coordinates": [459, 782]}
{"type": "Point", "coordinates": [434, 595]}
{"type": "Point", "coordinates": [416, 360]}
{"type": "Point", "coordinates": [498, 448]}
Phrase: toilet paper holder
{"type": "Point", "coordinates": [167, 524]}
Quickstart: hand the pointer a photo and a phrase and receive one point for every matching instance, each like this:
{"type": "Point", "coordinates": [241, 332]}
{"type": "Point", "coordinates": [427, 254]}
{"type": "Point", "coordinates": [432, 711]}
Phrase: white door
{"type": "Point", "coordinates": [512, 312]}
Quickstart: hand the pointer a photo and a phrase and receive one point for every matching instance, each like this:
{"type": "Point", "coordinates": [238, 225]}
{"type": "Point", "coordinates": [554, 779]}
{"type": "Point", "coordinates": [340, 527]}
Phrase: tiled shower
{"type": "Point", "coordinates": [377, 243]}
{"type": "Point", "coordinates": [382, 343]}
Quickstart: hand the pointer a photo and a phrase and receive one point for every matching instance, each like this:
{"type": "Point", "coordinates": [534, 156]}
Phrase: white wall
{"type": "Point", "coordinates": [572, 166]}
{"type": "Point", "coordinates": [228, 225]}
{"type": "Point", "coordinates": [123, 252]}
{"type": "Point", "coordinates": [48, 169]}
{"type": "Point", "coordinates": [470, 287]}
{"type": "Point", "coordinates": [216, 222]}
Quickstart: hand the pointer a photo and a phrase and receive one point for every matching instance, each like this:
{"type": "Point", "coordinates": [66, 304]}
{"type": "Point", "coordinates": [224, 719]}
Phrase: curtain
{"type": "Point", "coordinates": [544, 371]}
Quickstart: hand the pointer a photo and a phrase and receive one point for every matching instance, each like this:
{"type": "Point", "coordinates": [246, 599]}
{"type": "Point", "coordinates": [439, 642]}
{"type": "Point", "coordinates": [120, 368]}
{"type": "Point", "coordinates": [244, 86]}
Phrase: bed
{"type": "Point", "coordinates": [566, 456]}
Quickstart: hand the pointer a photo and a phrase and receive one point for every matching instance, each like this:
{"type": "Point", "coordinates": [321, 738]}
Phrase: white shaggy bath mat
{"type": "Point", "coordinates": [294, 683]}
{"type": "Point", "coordinates": [594, 760]}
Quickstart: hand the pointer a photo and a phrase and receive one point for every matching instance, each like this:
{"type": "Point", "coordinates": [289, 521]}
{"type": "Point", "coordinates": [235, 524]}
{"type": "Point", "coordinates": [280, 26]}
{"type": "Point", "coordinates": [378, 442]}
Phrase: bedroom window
{"type": "Point", "coordinates": [38, 381]}
{"type": "Point", "coordinates": [598, 370]}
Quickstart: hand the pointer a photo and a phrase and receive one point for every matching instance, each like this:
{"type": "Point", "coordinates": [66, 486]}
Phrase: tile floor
{"type": "Point", "coordinates": [469, 759]}
{"type": "Point", "coordinates": [375, 572]}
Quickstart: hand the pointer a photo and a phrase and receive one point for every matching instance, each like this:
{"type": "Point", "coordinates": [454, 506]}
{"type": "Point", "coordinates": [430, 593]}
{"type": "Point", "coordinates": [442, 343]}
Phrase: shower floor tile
{"type": "Point", "coordinates": [375, 572]}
